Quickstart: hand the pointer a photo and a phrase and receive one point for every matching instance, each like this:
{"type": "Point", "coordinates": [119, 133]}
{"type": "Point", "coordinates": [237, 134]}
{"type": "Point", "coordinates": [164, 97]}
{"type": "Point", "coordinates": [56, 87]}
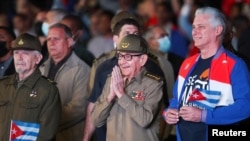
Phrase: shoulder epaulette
{"type": "Point", "coordinates": [101, 56]}
{"type": "Point", "coordinates": [51, 81]}
{"type": "Point", "coordinates": [152, 76]}
{"type": "Point", "coordinates": [154, 58]}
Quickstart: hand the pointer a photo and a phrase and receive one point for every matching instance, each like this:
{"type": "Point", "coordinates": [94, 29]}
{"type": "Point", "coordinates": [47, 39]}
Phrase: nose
{"type": "Point", "coordinates": [121, 61]}
{"type": "Point", "coordinates": [195, 32]}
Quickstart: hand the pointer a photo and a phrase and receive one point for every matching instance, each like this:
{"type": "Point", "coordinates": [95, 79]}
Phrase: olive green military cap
{"type": "Point", "coordinates": [133, 43]}
{"type": "Point", "coordinates": [27, 42]}
{"type": "Point", "coordinates": [121, 16]}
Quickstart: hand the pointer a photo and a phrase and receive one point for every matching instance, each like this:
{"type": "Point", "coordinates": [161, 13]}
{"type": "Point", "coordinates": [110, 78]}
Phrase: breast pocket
{"type": "Point", "coordinates": [29, 110]}
{"type": "Point", "coordinates": [3, 108]}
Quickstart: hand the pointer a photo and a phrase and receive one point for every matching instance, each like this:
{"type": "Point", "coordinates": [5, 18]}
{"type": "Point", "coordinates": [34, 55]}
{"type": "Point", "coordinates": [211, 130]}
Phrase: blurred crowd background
{"type": "Point", "coordinates": [32, 16]}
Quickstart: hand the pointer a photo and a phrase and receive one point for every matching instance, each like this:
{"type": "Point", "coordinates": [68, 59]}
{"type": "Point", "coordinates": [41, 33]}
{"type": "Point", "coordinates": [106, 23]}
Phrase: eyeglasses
{"type": "Point", "coordinates": [127, 57]}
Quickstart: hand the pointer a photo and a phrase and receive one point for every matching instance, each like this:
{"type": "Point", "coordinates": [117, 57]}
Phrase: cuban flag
{"type": "Point", "coordinates": [205, 98]}
{"type": "Point", "coordinates": [23, 131]}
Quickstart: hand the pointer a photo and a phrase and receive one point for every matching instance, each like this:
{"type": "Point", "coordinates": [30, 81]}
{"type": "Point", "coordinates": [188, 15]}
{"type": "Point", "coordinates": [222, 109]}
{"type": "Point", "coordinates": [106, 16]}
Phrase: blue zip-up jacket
{"type": "Point", "coordinates": [229, 75]}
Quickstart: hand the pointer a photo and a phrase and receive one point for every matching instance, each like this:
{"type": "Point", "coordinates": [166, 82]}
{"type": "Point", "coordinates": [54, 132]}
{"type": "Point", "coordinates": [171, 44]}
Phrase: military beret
{"type": "Point", "coordinates": [133, 43]}
{"type": "Point", "coordinates": [27, 42]}
{"type": "Point", "coordinates": [121, 16]}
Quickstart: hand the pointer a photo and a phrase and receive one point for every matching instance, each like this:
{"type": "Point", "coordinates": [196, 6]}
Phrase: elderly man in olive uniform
{"type": "Point", "coordinates": [29, 103]}
{"type": "Point", "coordinates": [132, 97]}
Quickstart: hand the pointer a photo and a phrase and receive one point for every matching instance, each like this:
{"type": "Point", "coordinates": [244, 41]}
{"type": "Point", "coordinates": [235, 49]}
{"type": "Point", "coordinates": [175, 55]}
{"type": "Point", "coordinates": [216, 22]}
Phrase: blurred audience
{"type": "Point", "coordinates": [6, 58]}
{"type": "Point", "coordinates": [79, 46]}
{"type": "Point", "coordinates": [103, 42]}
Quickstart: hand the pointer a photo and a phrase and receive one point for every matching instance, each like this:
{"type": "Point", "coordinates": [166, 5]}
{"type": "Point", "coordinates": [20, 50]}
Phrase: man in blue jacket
{"type": "Point", "coordinates": [213, 86]}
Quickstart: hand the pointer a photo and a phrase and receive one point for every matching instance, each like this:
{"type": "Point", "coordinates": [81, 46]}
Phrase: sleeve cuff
{"type": "Point", "coordinates": [124, 101]}
{"type": "Point", "coordinates": [203, 115]}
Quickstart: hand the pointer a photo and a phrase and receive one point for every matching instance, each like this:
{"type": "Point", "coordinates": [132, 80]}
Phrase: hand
{"type": "Point", "coordinates": [171, 116]}
{"type": "Point", "coordinates": [189, 113]}
{"type": "Point", "coordinates": [117, 82]}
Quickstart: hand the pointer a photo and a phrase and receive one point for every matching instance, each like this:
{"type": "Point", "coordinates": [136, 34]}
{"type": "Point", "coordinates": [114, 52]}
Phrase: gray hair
{"type": "Point", "coordinates": [36, 52]}
{"type": "Point", "coordinates": [64, 27]}
{"type": "Point", "coordinates": [216, 18]}
{"type": "Point", "coordinates": [58, 14]}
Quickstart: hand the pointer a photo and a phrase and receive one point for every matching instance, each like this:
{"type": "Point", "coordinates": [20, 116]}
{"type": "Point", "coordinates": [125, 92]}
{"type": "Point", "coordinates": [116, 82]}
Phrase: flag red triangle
{"type": "Point", "coordinates": [196, 95]}
{"type": "Point", "coordinates": [15, 131]}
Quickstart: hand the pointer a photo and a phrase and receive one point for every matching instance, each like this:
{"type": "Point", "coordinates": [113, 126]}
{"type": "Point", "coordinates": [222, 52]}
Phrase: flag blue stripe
{"type": "Point", "coordinates": [213, 100]}
{"type": "Point", "coordinates": [31, 133]}
{"type": "Point", "coordinates": [19, 123]}
{"type": "Point", "coordinates": [30, 130]}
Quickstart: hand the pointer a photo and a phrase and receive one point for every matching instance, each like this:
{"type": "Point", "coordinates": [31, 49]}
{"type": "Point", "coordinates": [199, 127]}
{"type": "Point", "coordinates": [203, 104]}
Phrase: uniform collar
{"type": "Point", "coordinates": [30, 81]}
{"type": "Point", "coordinates": [139, 76]}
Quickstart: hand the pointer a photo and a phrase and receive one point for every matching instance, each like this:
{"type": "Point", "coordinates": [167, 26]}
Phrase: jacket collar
{"type": "Point", "coordinates": [29, 82]}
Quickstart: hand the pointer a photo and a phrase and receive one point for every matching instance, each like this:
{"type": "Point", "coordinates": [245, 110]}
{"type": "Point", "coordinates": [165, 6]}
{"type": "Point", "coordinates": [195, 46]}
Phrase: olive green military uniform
{"type": "Point", "coordinates": [136, 115]}
{"type": "Point", "coordinates": [36, 100]}
{"type": "Point", "coordinates": [105, 56]}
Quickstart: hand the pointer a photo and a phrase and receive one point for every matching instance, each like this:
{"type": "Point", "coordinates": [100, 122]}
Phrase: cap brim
{"type": "Point", "coordinates": [22, 48]}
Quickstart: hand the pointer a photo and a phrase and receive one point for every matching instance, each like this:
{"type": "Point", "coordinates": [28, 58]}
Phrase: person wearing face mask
{"type": "Point", "coordinates": [160, 43]}
{"type": "Point", "coordinates": [6, 59]}
{"type": "Point", "coordinates": [53, 16]}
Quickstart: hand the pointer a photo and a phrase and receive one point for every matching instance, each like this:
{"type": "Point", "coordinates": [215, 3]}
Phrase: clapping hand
{"type": "Point", "coordinates": [117, 80]}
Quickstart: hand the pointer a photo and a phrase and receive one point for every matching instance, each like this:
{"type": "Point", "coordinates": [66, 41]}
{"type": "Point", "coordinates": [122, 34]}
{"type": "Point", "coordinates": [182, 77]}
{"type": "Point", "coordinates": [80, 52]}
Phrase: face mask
{"type": "Point", "coordinates": [3, 49]}
{"type": "Point", "coordinates": [164, 44]}
{"type": "Point", "coordinates": [45, 28]}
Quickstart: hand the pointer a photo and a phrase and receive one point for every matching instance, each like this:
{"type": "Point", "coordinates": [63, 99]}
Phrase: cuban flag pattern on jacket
{"type": "Point", "coordinates": [219, 77]}
{"type": "Point", "coordinates": [204, 98]}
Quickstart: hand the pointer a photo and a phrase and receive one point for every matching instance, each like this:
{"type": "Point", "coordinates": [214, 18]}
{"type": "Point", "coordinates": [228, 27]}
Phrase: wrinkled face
{"type": "Point", "coordinates": [203, 33]}
{"type": "Point", "coordinates": [26, 61]}
{"type": "Point", "coordinates": [126, 30]}
{"type": "Point", "coordinates": [130, 63]}
{"type": "Point", "coordinates": [58, 43]}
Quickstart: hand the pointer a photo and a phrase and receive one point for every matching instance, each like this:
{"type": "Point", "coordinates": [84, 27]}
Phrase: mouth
{"type": "Point", "coordinates": [20, 63]}
{"type": "Point", "coordinates": [124, 67]}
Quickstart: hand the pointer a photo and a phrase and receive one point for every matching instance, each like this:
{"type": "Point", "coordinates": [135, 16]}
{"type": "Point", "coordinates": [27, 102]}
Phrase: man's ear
{"type": "Point", "coordinates": [70, 41]}
{"type": "Point", "coordinates": [218, 30]}
{"type": "Point", "coordinates": [143, 59]}
{"type": "Point", "coordinates": [39, 58]}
